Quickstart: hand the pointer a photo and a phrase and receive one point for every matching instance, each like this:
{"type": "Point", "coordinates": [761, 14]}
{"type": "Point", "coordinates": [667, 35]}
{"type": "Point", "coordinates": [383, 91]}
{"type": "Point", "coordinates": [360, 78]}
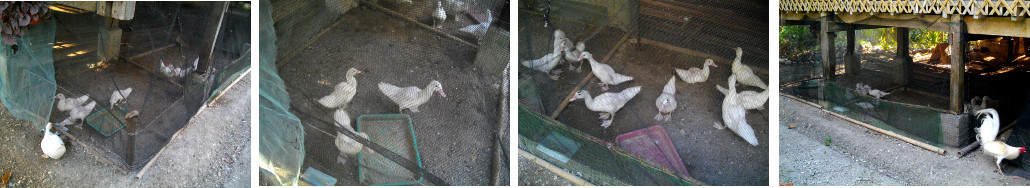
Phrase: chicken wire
{"type": "Point", "coordinates": [27, 83]}
{"type": "Point", "coordinates": [384, 40]}
{"type": "Point", "coordinates": [586, 156]}
{"type": "Point", "coordinates": [170, 32]}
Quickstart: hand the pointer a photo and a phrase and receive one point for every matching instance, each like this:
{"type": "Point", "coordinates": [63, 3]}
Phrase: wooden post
{"type": "Point", "coordinates": [958, 63]}
{"type": "Point", "coordinates": [130, 141]}
{"type": "Point", "coordinates": [902, 59]}
{"type": "Point", "coordinates": [826, 47]}
{"type": "Point", "coordinates": [852, 65]}
{"type": "Point", "coordinates": [214, 26]}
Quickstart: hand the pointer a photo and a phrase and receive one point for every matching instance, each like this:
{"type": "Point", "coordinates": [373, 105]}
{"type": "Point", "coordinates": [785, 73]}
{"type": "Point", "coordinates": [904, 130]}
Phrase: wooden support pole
{"type": "Point", "coordinates": [902, 59]}
{"type": "Point", "coordinates": [130, 140]}
{"type": "Point", "coordinates": [826, 47]}
{"type": "Point", "coordinates": [852, 65]}
{"type": "Point", "coordinates": [958, 64]}
{"type": "Point", "coordinates": [214, 26]}
{"type": "Point", "coordinates": [565, 102]}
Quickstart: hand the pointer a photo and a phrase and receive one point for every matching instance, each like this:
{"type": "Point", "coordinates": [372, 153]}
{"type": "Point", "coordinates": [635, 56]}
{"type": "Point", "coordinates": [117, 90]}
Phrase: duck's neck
{"type": "Point", "coordinates": [351, 80]}
{"type": "Point", "coordinates": [704, 71]}
{"type": "Point", "coordinates": [425, 94]}
{"type": "Point", "coordinates": [589, 101]}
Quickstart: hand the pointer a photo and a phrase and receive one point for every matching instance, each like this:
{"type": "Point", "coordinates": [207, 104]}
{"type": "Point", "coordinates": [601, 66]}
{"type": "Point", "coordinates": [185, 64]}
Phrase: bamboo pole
{"type": "Point", "coordinates": [590, 75]}
{"type": "Point", "coordinates": [554, 169]}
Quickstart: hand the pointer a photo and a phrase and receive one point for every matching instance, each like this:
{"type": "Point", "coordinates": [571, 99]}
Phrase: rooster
{"type": "Point", "coordinates": [986, 133]}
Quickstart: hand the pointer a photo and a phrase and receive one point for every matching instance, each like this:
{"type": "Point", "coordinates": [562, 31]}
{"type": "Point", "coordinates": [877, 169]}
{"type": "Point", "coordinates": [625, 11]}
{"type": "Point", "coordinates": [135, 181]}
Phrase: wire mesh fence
{"type": "Point", "coordinates": [390, 57]}
{"type": "Point", "coordinates": [172, 56]}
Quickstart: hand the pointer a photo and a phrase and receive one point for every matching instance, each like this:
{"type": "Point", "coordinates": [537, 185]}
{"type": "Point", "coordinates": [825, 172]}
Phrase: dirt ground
{"type": "Point", "coordinates": [390, 50]}
{"type": "Point", "coordinates": [532, 174]}
{"type": "Point", "coordinates": [723, 159]}
{"type": "Point", "coordinates": [859, 156]}
{"type": "Point", "coordinates": [213, 150]}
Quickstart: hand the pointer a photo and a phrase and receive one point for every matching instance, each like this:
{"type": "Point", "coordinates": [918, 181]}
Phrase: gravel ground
{"type": "Point", "coordinates": [859, 156]}
{"type": "Point", "coordinates": [532, 174]}
{"type": "Point", "coordinates": [212, 151]}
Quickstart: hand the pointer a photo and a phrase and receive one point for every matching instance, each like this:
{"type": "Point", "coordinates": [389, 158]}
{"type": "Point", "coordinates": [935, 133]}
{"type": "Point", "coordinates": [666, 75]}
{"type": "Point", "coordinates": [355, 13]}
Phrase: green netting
{"type": "Point", "coordinates": [281, 142]}
{"type": "Point", "coordinates": [917, 122]}
{"type": "Point", "coordinates": [27, 84]}
{"type": "Point", "coordinates": [594, 160]}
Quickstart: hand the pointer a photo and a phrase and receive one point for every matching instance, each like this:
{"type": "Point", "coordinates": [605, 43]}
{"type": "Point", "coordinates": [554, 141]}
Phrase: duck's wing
{"type": "Point", "coordinates": [398, 94]}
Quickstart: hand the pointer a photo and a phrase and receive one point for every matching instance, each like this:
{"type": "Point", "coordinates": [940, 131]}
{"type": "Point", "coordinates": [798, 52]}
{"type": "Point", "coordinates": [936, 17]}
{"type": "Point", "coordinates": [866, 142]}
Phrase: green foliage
{"type": "Point", "coordinates": [796, 40]}
{"type": "Point", "coordinates": [922, 38]}
{"type": "Point", "coordinates": [828, 141]}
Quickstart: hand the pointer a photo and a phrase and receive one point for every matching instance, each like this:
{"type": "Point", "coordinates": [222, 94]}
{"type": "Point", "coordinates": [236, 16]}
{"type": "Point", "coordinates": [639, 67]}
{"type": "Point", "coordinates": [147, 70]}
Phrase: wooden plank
{"type": "Point", "coordinates": [958, 65]}
{"type": "Point", "coordinates": [565, 102]}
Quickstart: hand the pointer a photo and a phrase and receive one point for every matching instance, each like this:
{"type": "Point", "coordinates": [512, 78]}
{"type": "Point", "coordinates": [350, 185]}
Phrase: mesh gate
{"type": "Point", "coordinates": [171, 33]}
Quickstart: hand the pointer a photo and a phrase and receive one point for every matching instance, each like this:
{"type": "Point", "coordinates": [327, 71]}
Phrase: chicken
{"type": "Point", "coordinates": [166, 69]}
{"type": "Point", "coordinates": [606, 103]}
{"type": "Point", "coordinates": [343, 93]}
{"type": "Point", "coordinates": [411, 97]}
{"type": "Point", "coordinates": [604, 72]}
{"type": "Point", "coordinates": [119, 96]}
{"type": "Point", "coordinates": [666, 102]}
{"type": "Point", "coordinates": [733, 115]}
{"type": "Point", "coordinates": [52, 145]}
{"type": "Point", "coordinates": [79, 113]}
{"type": "Point", "coordinates": [439, 15]}
{"type": "Point", "coordinates": [744, 73]}
{"type": "Point", "coordinates": [66, 104]}
{"type": "Point", "coordinates": [546, 64]}
{"type": "Point", "coordinates": [986, 134]}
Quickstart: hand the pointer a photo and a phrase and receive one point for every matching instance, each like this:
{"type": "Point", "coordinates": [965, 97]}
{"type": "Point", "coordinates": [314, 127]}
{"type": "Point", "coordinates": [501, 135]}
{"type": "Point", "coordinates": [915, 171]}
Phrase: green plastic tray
{"type": "Point", "coordinates": [105, 123]}
{"type": "Point", "coordinates": [396, 133]}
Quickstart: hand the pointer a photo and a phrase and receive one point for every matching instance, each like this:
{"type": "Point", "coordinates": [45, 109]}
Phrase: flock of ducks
{"type": "Point", "coordinates": [77, 108]}
{"type": "Point", "coordinates": [405, 98]}
{"type": "Point", "coordinates": [734, 106]}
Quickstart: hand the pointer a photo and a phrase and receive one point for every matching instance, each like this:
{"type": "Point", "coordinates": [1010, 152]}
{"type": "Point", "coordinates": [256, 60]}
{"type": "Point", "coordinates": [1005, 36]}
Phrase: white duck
{"type": "Point", "coordinates": [877, 93]}
{"type": "Point", "coordinates": [573, 55]}
{"type": "Point", "coordinates": [546, 64]}
{"type": "Point", "coordinates": [343, 93]}
{"type": "Point", "coordinates": [667, 101]}
{"type": "Point", "coordinates": [694, 74]}
{"type": "Point", "coordinates": [733, 115]}
{"type": "Point", "coordinates": [861, 89]}
{"type": "Point", "coordinates": [66, 104]}
{"type": "Point", "coordinates": [118, 96]}
{"type": "Point", "coordinates": [166, 69]}
{"type": "Point", "coordinates": [604, 72]}
{"type": "Point", "coordinates": [744, 73]}
{"type": "Point", "coordinates": [749, 99]}
{"type": "Point", "coordinates": [439, 15]}
{"type": "Point", "coordinates": [52, 145]}
{"type": "Point", "coordinates": [606, 103]}
{"type": "Point", "coordinates": [79, 113]}
{"type": "Point", "coordinates": [345, 144]}
{"type": "Point", "coordinates": [411, 97]}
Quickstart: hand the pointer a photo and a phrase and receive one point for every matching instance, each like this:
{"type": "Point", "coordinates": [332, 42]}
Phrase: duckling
{"type": "Point", "coordinates": [66, 104]}
{"type": "Point", "coordinates": [439, 15]}
{"type": "Point", "coordinates": [666, 102]}
{"type": "Point", "coordinates": [604, 72]}
{"type": "Point", "coordinates": [694, 74]}
{"type": "Point", "coordinates": [411, 97]}
{"type": "Point", "coordinates": [606, 103]}
{"type": "Point", "coordinates": [744, 73]}
{"type": "Point", "coordinates": [79, 113]}
{"type": "Point", "coordinates": [52, 145]}
{"type": "Point", "coordinates": [733, 115]}
{"type": "Point", "coordinates": [343, 92]}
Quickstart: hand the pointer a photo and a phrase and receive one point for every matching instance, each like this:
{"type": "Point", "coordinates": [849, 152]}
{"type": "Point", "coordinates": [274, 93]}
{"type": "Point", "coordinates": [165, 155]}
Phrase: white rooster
{"type": "Point", "coordinates": [986, 134]}
{"type": "Point", "coordinates": [119, 96]}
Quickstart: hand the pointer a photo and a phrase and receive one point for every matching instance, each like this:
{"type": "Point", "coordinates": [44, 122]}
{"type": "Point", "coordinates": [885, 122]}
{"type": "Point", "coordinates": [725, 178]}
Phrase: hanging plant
{"type": "Point", "coordinates": [15, 17]}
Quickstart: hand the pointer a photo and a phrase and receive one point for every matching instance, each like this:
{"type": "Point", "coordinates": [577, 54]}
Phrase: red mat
{"type": "Point", "coordinates": [653, 144]}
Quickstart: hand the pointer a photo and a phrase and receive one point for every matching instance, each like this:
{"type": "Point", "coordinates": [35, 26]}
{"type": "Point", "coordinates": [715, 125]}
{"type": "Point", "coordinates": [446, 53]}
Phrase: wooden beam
{"type": "Point", "coordinates": [958, 64]}
{"type": "Point", "coordinates": [214, 26]}
{"type": "Point", "coordinates": [852, 65]}
{"type": "Point", "coordinates": [826, 47]}
{"type": "Point", "coordinates": [902, 59]}
{"type": "Point", "coordinates": [717, 59]}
